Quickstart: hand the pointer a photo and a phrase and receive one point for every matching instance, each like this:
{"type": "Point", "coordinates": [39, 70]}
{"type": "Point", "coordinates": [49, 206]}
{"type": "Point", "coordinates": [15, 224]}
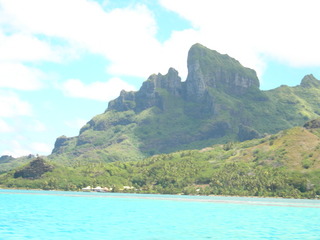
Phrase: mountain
{"type": "Point", "coordinates": [285, 164]}
{"type": "Point", "coordinates": [219, 102]}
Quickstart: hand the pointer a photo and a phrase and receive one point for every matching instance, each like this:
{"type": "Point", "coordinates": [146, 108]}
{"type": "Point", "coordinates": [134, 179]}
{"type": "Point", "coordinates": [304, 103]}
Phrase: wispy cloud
{"type": "Point", "coordinates": [5, 127]}
{"type": "Point", "coordinates": [11, 105]}
{"type": "Point", "coordinates": [18, 76]}
{"type": "Point", "coordinates": [17, 148]}
{"type": "Point", "coordinates": [76, 123]}
{"type": "Point", "coordinates": [101, 91]}
{"type": "Point", "coordinates": [119, 34]}
{"type": "Point", "coordinates": [24, 47]}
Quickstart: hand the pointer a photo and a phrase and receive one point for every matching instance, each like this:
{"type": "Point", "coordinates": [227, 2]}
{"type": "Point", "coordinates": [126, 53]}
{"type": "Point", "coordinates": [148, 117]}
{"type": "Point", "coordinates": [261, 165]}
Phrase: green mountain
{"type": "Point", "coordinates": [219, 102]}
{"type": "Point", "coordinates": [286, 164]}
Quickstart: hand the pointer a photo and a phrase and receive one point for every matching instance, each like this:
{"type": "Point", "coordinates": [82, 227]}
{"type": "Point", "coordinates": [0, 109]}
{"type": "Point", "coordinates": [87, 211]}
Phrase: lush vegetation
{"type": "Point", "coordinates": [34, 170]}
{"type": "Point", "coordinates": [282, 165]}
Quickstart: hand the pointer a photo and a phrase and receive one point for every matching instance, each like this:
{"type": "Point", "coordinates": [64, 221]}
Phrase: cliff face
{"type": "Point", "coordinates": [210, 69]}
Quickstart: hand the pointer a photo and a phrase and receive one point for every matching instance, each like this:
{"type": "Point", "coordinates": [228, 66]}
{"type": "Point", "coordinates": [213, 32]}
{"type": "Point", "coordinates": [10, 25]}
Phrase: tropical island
{"type": "Point", "coordinates": [216, 133]}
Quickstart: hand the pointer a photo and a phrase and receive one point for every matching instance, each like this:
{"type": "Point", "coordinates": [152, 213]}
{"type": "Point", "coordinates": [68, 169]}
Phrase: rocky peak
{"type": "Point", "coordinates": [208, 68]}
{"type": "Point", "coordinates": [124, 102]}
{"type": "Point", "coordinates": [309, 81]}
{"type": "Point", "coordinates": [148, 94]}
{"type": "Point", "coordinates": [171, 82]}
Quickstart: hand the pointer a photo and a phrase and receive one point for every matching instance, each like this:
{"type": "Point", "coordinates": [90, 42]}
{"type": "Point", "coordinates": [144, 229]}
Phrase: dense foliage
{"type": "Point", "coordinates": [35, 169]}
{"type": "Point", "coordinates": [281, 165]}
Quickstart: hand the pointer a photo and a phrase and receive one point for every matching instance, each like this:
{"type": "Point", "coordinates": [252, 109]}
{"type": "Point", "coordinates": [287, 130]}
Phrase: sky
{"type": "Point", "coordinates": [62, 61]}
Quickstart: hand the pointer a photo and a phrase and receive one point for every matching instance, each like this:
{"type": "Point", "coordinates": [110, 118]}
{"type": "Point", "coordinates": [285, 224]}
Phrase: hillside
{"type": "Point", "coordinates": [8, 163]}
{"type": "Point", "coordinates": [219, 102]}
{"type": "Point", "coordinates": [286, 164]}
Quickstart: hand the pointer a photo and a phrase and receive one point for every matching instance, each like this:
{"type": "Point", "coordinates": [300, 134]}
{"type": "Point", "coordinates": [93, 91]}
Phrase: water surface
{"type": "Point", "coordinates": [73, 215]}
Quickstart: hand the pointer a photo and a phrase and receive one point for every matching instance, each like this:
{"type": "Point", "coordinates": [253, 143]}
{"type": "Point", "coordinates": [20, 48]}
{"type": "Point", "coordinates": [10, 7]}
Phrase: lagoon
{"type": "Point", "coordinates": [29, 214]}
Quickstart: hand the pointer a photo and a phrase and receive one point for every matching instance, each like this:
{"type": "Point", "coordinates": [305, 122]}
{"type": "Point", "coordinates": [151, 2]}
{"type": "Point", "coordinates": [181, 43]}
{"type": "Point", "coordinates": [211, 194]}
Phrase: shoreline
{"type": "Point", "coordinates": [219, 199]}
{"type": "Point", "coordinates": [150, 195]}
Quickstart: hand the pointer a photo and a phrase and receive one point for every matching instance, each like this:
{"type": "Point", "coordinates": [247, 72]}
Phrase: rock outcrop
{"type": "Point", "coordinates": [210, 69]}
{"type": "Point", "coordinates": [315, 123]}
{"type": "Point", "coordinates": [148, 95]}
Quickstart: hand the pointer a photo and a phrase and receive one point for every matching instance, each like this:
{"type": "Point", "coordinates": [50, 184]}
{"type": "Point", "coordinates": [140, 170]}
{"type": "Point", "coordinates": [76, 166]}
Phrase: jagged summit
{"type": "Point", "coordinates": [206, 69]}
{"type": "Point", "coordinates": [310, 81]}
{"type": "Point", "coordinates": [148, 95]}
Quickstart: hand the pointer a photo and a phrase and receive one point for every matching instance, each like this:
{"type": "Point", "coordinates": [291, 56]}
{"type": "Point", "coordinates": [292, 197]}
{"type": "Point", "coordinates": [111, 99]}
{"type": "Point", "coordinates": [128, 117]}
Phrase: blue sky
{"type": "Point", "coordinates": [62, 61]}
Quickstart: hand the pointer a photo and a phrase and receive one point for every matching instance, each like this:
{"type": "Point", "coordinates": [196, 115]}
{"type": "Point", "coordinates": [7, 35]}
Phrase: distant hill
{"type": "Point", "coordinates": [8, 163]}
{"type": "Point", "coordinates": [219, 102]}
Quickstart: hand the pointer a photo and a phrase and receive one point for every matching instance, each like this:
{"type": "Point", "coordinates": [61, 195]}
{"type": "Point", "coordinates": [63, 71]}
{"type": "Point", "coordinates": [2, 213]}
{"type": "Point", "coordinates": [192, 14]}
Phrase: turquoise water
{"type": "Point", "coordinates": [72, 215]}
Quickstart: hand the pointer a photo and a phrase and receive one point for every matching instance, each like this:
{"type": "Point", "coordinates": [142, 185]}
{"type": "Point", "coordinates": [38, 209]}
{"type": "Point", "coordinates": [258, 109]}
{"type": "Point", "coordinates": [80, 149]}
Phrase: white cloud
{"type": "Point", "coordinates": [105, 3]}
{"type": "Point", "coordinates": [76, 123]}
{"type": "Point", "coordinates": [100, 91]}
{"type": "Point", "coordinates": [4, 127]}
{"type": "Point", "coordinates": [25, 47]}
{"type": "Point", "coordinates": [11, 105]}
{"type": "Point", "coordinates": [18, 148]}
{"type": "Point", "coordinates": [18, 76]}
{"type": "Point", "coordinates": [121, 35]}
{"type": "Point", "coordinates": [18, 49]}
{"type": "Point", "coordinates": [14, 148]}
{"type": "Point", "coordinates": [66, 19]}
{"type": "Point", "coordinates": [40, 148]}
{"type": "Point", "coordinates": [37, 126]}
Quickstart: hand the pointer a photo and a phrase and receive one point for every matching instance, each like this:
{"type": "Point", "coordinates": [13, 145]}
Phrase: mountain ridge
{"type": "Point", "coordinates": [219, 102]}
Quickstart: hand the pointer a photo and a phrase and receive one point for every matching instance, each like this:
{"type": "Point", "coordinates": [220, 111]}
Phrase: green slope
{"type": "Point", "coordinates": [286, 164]}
